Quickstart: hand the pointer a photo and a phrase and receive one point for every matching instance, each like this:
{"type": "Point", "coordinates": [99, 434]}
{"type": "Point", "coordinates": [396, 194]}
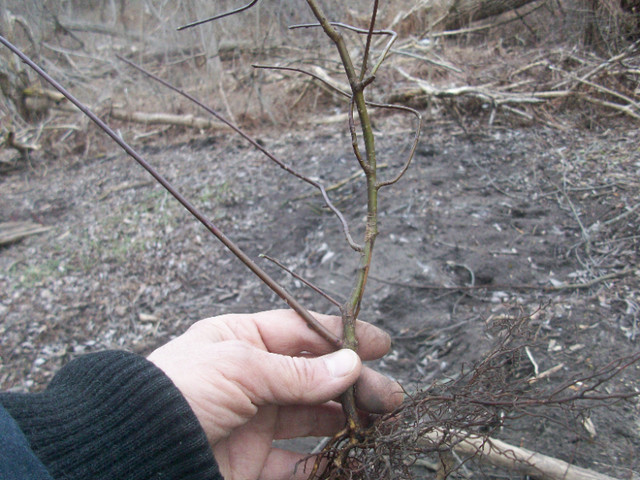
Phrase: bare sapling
{"type": "Point", "coordinates": [352, 436]}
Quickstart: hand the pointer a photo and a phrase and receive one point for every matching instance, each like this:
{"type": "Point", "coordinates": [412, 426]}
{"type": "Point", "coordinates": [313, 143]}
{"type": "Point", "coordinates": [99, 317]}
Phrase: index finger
{"type": "Point", "coordinates": [286, 333]}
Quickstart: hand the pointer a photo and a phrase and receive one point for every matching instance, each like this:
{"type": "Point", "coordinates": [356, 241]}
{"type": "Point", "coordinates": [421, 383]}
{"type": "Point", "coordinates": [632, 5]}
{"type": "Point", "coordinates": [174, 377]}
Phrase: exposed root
{"type": "Point", "coordinates": [458, 420]}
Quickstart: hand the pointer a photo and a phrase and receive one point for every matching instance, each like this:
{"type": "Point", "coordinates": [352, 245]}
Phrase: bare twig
{"type": "Point", "coordinates": [368, 32]}
{"type": "Point", "coordinates": [367, 48]}
{"type": "Point", "coordinates": [222, 15]}
{"type": "Point", "coordinates": [320, 75]}
{"type": "Point", "coordinates": [441, 64]}
{"type": "Point", "coordinates": [626, 109]}
{"type": "Point", "coordinates": [325, 79]}
{"type": "Point", "coordinates": [313, 287]}
{"type": "Point", "coordinates": [258, 146]}
{"type": "Point", "coordinates": [623, 215]}
{"type": "Point", "coordinates": [616, 58]}
{"type": "Point", "coordinates": [354, 141]}
{"type": "Point", "coordinates": [337, 185]}
{"type": "Point", "coordinates": [414, 145]}
{"type": "Point", "coordinates": [546, 373]}
{"type": "Point", "coordinates": [532, 360]}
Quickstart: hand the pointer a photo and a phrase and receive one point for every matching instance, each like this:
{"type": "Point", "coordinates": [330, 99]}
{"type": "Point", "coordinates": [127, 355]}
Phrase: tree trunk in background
{"type": "Point", "coordinates": [13, 75]}
{"type": "Point", "coordinates": [463, 12]}
{"type": "Point", "coordinates": [611, 25]}
{"type": "Point", "coordinates": [592, 35]}
{"type": "Point", "coordinates": [632, 9]}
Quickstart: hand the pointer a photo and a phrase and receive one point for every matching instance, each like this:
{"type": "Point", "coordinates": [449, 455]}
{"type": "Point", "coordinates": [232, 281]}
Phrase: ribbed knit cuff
{"type": "Point", "coordinates": [113, 415]}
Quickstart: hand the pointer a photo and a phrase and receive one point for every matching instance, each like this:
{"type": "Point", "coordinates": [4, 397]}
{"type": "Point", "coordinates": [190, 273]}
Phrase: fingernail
{"type": "Point", "coordinates": [341, 363]}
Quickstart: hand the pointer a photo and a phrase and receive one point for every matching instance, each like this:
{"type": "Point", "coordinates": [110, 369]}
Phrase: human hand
{"type": "Point", "coordinates": [254, 378]}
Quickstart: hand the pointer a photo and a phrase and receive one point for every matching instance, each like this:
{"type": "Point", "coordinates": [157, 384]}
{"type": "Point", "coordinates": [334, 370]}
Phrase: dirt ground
{"type": "Point", "coordinates": [535, 220]}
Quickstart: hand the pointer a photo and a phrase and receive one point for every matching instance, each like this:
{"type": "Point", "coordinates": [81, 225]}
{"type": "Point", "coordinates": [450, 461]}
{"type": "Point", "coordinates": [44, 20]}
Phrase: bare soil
{"type": "Point", "coordinates": [531, 220]}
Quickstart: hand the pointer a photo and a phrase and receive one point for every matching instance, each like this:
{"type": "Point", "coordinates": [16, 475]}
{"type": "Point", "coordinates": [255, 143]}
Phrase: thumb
{"type": "Point", "coordinates": [285, 380]}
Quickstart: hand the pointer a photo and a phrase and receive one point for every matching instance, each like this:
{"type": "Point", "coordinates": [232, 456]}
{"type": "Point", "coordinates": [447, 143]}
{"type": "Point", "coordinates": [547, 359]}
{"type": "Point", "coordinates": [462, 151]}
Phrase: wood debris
{"type": "Point", "coordinates": [11, 232]}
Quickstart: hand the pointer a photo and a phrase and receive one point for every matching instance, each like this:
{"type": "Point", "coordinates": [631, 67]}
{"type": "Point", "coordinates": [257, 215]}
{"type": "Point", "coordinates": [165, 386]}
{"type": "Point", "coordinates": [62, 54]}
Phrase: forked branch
{"type": "Point", "coordinates": [352, 128]}
{"type": "Point", "coordinates": [370, 32]}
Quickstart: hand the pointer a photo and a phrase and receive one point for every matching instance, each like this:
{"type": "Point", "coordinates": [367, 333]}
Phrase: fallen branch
{"type": "Point", "coordinates": [546, 373]}
{"type": "Point", "coordinates": [145, 118]}
{"type": "Point", "coordinates": [441, 64]}
{"type": "Point", "coordinates": [166, 119]}
{"type": "Point", "coordinates": [578, 84]}
{"type": "Point", "coordinates": [102, 30]}
{"type": "Point", "coordinates": [497, 98]}
{"type": "Point", "coordinates": [629, 107]}
{"type": "Point", "coordinates": [463, 31]}
{"type": "Point", "coordinates": [623, 215]}
{"type": "Point", "coordinates": [22, 147]}
{"type": "Point", "coordinates": [604, 65]}
{"type": "Point", "coordinates": [626, 109]}
{"type": "Point", "coordinates": [11, 232]}
{"type": "Point", "coordinates": [503, 455]}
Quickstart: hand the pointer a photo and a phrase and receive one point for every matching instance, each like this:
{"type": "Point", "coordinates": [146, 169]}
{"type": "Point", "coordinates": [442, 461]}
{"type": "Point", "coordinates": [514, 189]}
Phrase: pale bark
{"type": "Point", "coordinates": [11, 232]}
{"type": "Point", "coordinates": [514, 459]}
{"type": "Point", "coordinates": [165, 119]}
{"type": "Point", "coordinates": [463, 12]}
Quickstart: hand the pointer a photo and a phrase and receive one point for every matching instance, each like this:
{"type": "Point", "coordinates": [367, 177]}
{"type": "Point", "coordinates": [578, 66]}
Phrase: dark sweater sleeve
{"type": "Point", "coordinates": [113, 415]}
